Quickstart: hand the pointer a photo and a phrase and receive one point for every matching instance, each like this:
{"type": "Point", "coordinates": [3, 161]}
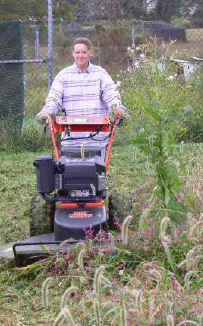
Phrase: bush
{"type": "Point", "coordinates": [182, 22]}
{"type": "Point", "coordinates": [161, 90]}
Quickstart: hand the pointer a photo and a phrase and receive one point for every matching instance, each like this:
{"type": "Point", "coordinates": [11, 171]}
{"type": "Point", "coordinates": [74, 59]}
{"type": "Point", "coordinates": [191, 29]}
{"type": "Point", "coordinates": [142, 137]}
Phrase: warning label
{"type": "Point", "coordinates": [80, 214]}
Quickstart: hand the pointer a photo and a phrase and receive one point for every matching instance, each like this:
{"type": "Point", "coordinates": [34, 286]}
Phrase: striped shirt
{"type": "Point", "coordinates": [92, 92]}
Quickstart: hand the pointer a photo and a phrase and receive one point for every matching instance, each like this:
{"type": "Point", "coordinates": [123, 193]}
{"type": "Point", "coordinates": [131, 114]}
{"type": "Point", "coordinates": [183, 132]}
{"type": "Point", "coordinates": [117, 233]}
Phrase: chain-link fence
{"type": "Point", "coordinates": [115, 28]}
{"type": "Point", "coordinates": [11, 75]}
{"type": "Point", "coordinates": [23, 69]}
{"type": "Point", "coordinates": [36, 72]}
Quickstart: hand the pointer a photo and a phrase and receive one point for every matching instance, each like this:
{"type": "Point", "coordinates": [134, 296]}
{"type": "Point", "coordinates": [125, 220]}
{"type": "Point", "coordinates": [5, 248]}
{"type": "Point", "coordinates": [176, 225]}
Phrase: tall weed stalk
{"type": "Point", "coordinates": [154, 105]}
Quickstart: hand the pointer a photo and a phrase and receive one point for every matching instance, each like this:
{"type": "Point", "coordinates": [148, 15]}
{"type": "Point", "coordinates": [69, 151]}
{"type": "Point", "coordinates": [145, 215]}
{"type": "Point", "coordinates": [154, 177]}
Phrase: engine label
{"type": "Point", "coordinates": [80, 214]}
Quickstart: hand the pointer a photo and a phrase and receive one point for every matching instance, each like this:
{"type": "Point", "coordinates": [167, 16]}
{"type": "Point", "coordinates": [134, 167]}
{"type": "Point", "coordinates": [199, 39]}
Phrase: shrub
{"type": "Point", "coordinates": [183, 22]}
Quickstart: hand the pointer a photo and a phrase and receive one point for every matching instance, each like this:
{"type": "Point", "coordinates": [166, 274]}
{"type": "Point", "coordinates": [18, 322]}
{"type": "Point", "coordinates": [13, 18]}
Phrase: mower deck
{"type": "Point", "coordinates": [31, 249]}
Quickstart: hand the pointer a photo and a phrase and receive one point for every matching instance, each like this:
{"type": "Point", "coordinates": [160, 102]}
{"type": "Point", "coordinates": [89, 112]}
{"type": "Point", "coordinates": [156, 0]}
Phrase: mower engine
{"type": "Point", "coordinates": [82, 181]}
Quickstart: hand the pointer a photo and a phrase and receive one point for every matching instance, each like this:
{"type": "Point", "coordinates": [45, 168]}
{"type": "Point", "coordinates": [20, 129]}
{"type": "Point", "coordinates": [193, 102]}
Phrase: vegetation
{"type": "Point", "coordinates": [30, 11]}
{"type": "Point", "coordinates": [111, 10]}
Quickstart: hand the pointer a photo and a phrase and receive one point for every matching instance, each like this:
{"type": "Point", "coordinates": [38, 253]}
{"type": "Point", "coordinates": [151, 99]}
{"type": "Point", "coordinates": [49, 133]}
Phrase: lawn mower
{"type": "Point", "coordinates": [72, 187]}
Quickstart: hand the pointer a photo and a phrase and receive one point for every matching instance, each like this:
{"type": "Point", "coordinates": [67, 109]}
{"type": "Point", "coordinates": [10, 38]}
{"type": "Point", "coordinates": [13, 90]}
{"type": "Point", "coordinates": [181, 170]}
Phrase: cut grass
{"type": "Point", "coordinates": [194, 34]}
{"type": "Point", "coordinates": [17, 185]}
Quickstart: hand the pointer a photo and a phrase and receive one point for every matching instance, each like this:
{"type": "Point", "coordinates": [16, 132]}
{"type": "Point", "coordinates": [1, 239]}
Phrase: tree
{"type": "Point", "coordinates": [33, 9]}
{"type": "Point", "coordinates": [133, 9]}
{"type": "Point", "coordinates": [63, 9]}
{"type": "Point", "coordinates": [198, 14]}
{"type": "Point", "coordinates": [166, 9]}
{"type": "Point", "coordinates": [12, 10]}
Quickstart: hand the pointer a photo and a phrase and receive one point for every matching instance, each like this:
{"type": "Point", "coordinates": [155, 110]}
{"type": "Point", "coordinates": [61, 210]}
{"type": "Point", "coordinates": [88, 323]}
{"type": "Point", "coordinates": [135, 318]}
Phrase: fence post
{"type": "Point", "coordinates": [50, 41]}
{"type": "Point", "coordinates": [133, 35]}
{"type": "Point", "coordinates": [36, 31]}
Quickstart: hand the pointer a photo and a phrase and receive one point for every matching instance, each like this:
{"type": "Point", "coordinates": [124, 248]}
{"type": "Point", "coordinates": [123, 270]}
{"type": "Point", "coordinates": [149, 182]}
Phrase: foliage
{"type": "Point", "coordinates": [181, 9]}
{"type": "Point", "coordinates": [30, 11]}
{"type": "Point", "coordinates": [164, 10]}
{"type": "Point", "coordinates": [182, 22]}
{"type": "Point", "coordinates": [108, 10]}
{"type": "Point", "coordinates": [156, 104]}
{"type": "Point", "coordinates": [192, 116]}
{"type": "Point", "coordinates": [197, 16]}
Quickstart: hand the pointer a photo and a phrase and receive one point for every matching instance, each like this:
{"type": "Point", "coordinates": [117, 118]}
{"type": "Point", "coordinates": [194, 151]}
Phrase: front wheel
{"type": "Point", "coordinates": [41, 216]}
{"type": "Point", "coordinates": [120, 206]}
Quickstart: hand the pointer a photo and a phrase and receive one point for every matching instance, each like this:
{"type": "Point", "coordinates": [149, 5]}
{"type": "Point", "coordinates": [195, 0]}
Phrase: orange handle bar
{"type": "Point", "coordinates": [109, 148]}
{"type": "Point", "coordinates": [53, 136]}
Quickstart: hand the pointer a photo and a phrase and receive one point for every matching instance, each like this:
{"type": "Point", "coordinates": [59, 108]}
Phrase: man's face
{"type": "Point", "coordinates": [82, 55]}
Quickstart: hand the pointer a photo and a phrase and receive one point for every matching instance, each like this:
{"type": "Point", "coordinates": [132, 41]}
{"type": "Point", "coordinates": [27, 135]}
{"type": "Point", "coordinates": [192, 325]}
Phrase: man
{"type": "Point", "coordinates": [82, 89]}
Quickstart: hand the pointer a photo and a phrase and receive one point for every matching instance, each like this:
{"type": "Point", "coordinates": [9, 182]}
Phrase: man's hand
{"type": "Point", "coordinates": [122, 113]}
{"type": "Point", "coordinates": [41, 118]}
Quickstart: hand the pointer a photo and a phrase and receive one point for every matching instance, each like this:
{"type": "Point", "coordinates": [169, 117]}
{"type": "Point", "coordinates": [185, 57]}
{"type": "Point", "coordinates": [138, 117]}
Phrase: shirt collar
{"type": "Point", "coordinates": [88, 69]}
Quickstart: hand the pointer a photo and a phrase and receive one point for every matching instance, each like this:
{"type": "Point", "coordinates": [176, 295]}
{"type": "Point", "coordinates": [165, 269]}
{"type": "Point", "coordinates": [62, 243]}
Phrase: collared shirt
{"type": "Point", "coordinates": [92, 92]}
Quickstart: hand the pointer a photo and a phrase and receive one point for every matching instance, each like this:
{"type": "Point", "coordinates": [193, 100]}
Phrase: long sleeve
{"type": "Point", "coordinates": [110, 94]}
{"type": "Point", "coordinates": [54, 99]}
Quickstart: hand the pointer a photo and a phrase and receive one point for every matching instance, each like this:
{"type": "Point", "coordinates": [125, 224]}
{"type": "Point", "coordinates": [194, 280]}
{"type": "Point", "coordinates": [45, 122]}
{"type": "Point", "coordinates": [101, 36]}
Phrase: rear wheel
{"type": "Point", "coordinates": [41, 216]}
{"type": "Point", "coordinates": [120, 206]}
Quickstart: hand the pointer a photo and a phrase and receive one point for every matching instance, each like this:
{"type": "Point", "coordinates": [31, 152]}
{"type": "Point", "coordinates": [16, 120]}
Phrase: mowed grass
{"type": "Point", "coordinates": [17, 186]}
{"type": "Point", "coordinates": [194, 34]}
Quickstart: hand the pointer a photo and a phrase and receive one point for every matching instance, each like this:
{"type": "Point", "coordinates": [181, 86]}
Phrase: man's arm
{"type": "Point", "coordinates": [111, 96]}
{"type": "Point", "coordinates": [54, 99]}
{"type": "Point", "coordinates": [109, 91]}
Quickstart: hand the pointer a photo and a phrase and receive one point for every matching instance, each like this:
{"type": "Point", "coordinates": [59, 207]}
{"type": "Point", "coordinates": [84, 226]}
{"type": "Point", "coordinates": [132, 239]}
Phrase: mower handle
{"type": "Point", "coordinates": [84, 124]}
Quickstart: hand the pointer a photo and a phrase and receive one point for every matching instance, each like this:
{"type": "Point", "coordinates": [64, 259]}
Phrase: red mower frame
{"type": "Point", "coordinates": [76, 123]}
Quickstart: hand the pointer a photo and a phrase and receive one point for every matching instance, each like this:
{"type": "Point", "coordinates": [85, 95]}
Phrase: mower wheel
{"type": "Point", "coordinates": [41, 216]}
{"type": "Point", "coordinates": [120, 205]}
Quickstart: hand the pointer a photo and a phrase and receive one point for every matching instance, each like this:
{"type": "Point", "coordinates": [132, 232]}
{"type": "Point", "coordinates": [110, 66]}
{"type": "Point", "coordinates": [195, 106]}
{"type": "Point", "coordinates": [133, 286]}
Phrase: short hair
{"type": "Point", "coordinates": [83, 40]}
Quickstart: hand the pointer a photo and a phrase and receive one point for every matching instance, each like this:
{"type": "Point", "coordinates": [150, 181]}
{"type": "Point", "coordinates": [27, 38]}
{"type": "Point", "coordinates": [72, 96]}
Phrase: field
{"type": "Point", "coordinates": [140, 271]}
{"type": "Point", "coordinates": [154, 276]}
